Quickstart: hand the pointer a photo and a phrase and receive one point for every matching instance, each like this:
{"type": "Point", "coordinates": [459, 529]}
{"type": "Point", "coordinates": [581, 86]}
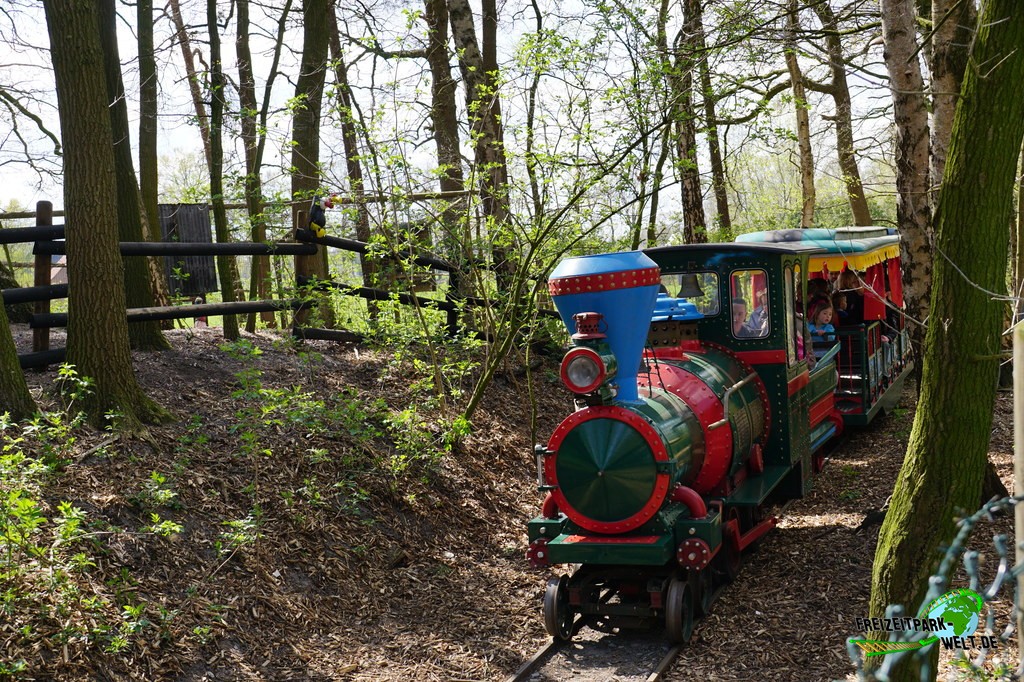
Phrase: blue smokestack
{"type": "Point", "coordinates": [621, 286]}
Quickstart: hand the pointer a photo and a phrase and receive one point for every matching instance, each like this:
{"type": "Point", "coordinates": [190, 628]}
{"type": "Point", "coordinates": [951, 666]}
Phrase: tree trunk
{"type": "Point", "coordinates": [445, 121]}
{"type": "Point", "coordinates": [803, 123]}
{"type": "Point", "coordinates": [679, 78]}
{"type": "Point", "coordinates": [719, 184]}
{"type": "Point", "coordinates": [659, 175]}
{"type": "Point", "coordinates": [15, 398]}
{"type": "Point", "coordinates": [253, 130]}
{"type": "Point", "coordinates": [530, 154]}
{"type": "Point", "coordinates": [148, 158]}
{"type": "Point", "coordinates": [497, 169]}
{"type": "Point", "coordinates": [913, 212]}
{"type": "Point", "coordinates": [1018, 251]}
{"type": "Point", "coordinates": [953, 22]}
{"type": "Point", "coordinates": [259, 273]}
{"type": "Point", "coordinates": [352, 165]}
{"type": "Point", "coordinates": [97, 334]}
{"type": "Point", "coordinates": [227, 270]}
{"type": "Point", "coordinates": [946, 457]}
{"type": "Point", "coordinates": [840, 91]}
{"type": "Point", "coordinates": [194, 86]}
{"type": "Point", "coordinates": [137, 282]}
{"type": "Point", "coordinates": [316, 21]}
{"type": "Point", "coordinates": [637, 227]}
{"type": "Point", "coordinates": [480, 77]}
{"type": "Point", "coordinates": [694, 221]}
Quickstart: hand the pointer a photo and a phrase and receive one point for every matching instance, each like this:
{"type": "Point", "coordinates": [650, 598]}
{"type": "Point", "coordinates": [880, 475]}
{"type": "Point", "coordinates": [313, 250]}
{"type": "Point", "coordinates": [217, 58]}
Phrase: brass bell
{"type": "Point", "coordinates": [690, 286]}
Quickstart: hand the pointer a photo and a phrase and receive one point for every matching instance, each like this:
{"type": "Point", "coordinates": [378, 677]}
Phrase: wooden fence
{"type": "Point", "coordinates": [47, 240]}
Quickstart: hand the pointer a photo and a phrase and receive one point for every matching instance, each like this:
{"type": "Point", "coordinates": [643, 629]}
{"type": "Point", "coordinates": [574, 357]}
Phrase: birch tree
{"type": "Point", "coordinates": [913, 212]}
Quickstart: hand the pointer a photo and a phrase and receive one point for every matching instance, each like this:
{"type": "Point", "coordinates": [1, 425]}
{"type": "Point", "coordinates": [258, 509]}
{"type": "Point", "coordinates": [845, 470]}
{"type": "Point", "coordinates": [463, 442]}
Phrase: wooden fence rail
{"type": "Point", "coordinates": [21, 235]}
{"type": "Point", "coordinates": [33, 294]}
{"type": "Point", "coordinates": [177, 312]}
{"type": "Point", "coordinates": [59, 248]}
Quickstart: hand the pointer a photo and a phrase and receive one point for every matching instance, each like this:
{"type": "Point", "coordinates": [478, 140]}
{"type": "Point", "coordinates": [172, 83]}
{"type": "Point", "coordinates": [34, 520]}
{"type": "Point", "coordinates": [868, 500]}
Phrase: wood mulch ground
{"type": "Point", "coordinates": [317, 556]}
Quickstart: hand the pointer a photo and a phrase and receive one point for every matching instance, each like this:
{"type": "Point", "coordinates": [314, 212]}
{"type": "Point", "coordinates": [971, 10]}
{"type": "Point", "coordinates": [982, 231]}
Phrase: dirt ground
{"type": "Point", "coordinates": [310, 550]}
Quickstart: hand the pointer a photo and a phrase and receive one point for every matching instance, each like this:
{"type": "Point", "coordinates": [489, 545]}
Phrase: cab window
{"type": "Point", "coordinates": [749, 304]}
{"type": "Point", "coordinates": [699, 288]}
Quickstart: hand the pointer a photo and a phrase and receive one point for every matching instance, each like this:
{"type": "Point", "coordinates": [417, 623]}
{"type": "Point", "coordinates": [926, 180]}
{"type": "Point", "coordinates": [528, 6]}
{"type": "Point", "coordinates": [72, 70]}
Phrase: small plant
{"type": "Point", "coordinates": [73, 386]}
{"type": "Point", "coordinates": [417, 440]}
{"type": "Point", "coordinates": [311, 492]}
{"type": "Point", "coordinates": [162, 527]}
{"type": "Point", "coordinates": [54, 434]}
{"type": "Point", "coordinates": [156, 493]}
{"type": "Point", "coordinates": [202, 633]}
{"type": "Point", "coordinates": [13, 668]}
{"type": "Point", "coordinates": [351, 496]}
{"type": "Point", "coordinates": [318, 455]}
{"type": "Point", "coordinates": [357, 416]}
{"type": "Point", "coordinates": [311, 362]}
{"type": "Point", "coordinates": [241, 532]}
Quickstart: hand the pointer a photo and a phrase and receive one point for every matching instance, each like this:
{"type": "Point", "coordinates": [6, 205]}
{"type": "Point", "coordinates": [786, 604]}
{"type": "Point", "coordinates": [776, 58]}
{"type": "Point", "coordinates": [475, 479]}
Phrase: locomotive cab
{"type": "Point", "coordinates": [768, 283]}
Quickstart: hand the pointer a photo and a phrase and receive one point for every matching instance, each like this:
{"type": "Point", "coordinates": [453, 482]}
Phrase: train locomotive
{"type": "Point", "coordinates": [687, 426]}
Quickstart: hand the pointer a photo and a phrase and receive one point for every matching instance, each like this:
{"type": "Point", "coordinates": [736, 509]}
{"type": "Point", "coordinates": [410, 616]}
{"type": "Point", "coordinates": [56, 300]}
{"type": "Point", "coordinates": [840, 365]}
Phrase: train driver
{"type": "Point", "coordinates": [740, 328]}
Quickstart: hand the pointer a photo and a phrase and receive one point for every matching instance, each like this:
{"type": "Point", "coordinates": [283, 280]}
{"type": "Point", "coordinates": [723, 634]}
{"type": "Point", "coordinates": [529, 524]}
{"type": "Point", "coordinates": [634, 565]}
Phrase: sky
{"type": "Point", "coordinates": [26, 66]}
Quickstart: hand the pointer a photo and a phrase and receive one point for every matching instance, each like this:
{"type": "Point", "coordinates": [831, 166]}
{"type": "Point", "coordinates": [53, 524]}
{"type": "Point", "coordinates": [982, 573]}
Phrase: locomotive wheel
{"type": "Point", "coordinates": [705, 592]}
{"type": "Point", "coordinates": [558, 615]}
{"type": "Point", "coordinates": [679, 611]}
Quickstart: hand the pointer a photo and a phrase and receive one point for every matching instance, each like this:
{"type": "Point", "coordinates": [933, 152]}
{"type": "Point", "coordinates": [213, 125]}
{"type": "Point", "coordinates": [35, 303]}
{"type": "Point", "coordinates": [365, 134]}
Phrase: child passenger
{"type": "Point", "coordinates": [839, 306]}
{"type": "Point", "coordinates": [821, 321]}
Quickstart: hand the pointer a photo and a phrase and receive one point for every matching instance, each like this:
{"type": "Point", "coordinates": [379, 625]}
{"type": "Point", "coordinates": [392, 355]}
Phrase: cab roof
{"type": "Point", "coordinates": [856, 247]}
{"type": "Point", "coordinates": [734, 248]}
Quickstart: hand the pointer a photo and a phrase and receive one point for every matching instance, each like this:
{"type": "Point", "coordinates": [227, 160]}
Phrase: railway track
{"type": "Point", "coordinates": [622, 655]}
{"type": "Point", "coordinates": [594, 655]}
{"type": "Point", "coordinates": [625, 657]}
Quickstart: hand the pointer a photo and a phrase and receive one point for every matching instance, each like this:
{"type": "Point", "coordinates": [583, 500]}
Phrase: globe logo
{"type": "Point", "coordinates": [959, 609]}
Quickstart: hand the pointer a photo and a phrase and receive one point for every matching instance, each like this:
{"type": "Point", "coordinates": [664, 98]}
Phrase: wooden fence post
{"type": "Point", "coordinates": [41, 337]}
{"type": "Point", "coordinates": [305, 268]}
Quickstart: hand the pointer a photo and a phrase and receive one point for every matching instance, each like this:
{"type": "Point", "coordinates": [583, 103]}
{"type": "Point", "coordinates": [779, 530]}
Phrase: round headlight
{"type": "Point", "coordinates": [583, 370]}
